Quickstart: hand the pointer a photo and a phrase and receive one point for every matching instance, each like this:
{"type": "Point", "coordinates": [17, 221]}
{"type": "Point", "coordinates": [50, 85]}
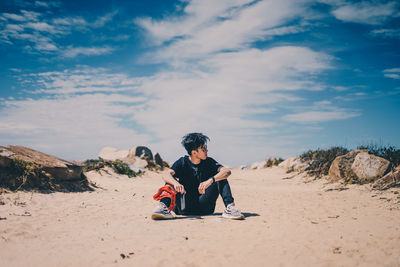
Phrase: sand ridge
{"type": "Point", "coordinates": [288, 223]}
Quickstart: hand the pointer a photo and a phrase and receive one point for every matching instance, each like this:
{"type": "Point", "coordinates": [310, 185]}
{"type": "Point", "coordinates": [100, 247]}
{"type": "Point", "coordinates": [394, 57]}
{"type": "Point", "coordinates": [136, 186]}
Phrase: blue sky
{"type": "Point", "coordinates": [260, 78]}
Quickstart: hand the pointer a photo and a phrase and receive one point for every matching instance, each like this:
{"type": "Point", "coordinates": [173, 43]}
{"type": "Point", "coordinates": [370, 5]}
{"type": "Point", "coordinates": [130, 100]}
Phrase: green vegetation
{"type": "Point", "coordinates": [272, 162]}
{"type": "Point", "coordinates": [117, 165]}
{"type": "Point", "coordinates": [23, 175]}
{"type": "Point", "coordinates": [387, 152]}
{"type": "Point", "coordinates": [321, 160]}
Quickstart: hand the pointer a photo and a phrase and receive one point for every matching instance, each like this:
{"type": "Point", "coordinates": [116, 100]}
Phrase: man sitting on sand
{"type": "Point", "coordinates": [194, 183]}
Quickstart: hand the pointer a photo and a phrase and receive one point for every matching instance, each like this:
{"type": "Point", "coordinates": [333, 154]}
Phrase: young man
{"type": "Point", "coordinates": [194, 183]}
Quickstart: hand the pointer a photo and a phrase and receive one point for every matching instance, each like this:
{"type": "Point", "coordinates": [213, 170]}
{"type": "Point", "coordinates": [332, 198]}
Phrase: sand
{"type": "Point", "coordinates": [288, 223]}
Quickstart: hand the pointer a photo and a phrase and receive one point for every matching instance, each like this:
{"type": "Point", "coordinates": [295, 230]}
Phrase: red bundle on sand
{"type": "Point", "coordinates": [166, 191]}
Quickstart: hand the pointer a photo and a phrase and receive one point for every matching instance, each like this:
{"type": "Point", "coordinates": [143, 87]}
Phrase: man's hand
{"type": "Point", "coordinates": [204, 185]}
{"type": "Point", "coordinates": [178, 187]}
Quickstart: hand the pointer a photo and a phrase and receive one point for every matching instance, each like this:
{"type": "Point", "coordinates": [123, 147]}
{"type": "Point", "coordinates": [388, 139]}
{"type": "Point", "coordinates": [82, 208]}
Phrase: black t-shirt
{"type": "Point", "coordinates": [191, 175]}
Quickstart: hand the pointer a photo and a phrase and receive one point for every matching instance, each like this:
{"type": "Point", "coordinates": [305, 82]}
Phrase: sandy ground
{"type": "Point", "coordinates": [288, 223]}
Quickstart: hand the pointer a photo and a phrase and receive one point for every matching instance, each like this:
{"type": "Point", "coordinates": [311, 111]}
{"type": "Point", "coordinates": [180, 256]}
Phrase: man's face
{"type": "Point", "coordinates": [201, 152]}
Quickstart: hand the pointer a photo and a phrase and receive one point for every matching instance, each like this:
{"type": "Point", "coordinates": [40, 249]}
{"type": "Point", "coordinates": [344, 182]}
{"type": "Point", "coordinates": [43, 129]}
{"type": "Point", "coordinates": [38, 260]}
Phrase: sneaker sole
{"type": "Point", "coordinates": [233, 218]}
{"type": "Point", "coordinates": [156, 216]}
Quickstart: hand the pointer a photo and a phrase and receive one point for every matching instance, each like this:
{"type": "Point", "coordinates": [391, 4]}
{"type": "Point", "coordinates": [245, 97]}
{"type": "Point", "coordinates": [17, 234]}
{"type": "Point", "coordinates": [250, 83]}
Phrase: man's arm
{"type": "Point", "coordinates": [223, 173]}
{"type": "Point", "coordinates": [169, 179]}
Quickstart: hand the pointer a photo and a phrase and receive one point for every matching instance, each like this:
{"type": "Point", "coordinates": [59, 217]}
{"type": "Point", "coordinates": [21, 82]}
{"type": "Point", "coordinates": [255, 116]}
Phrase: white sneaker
{"type": "Point", "coordinates": [162, 213]}
{"type": "Point", "coordinates": [231, 212]}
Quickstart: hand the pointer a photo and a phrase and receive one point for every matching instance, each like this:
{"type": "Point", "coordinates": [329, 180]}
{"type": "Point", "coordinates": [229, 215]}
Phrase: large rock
{"type": "Point", "coordinates": [367, 167]}
{"type": "Point", "coordinates": [341, 167]}
{"type": "Point", "coordinates": [125, 155]}
{"type": "Point", "coordinates": [159, 161]}
{"type": "Point", "coordinates": [388, 181]}
{"type": "Point", "coordinates": [358, 166]}
{"type": "Point", "coordinates": [143, 152]}
{"type": "Point", "coordinates": [139, 157]}
{"type": "Point", "coordinates": [294, 164]}
{"type": "Point", "coordinates": [59, 169]}
{"type": "Point", "coordinates": [139, 163]}
{"type": "Point", "coordinates": [257, 165]}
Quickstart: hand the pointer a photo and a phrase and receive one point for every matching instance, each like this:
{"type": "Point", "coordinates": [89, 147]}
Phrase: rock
{"type": "Point", "coordinates": [257, 165]}
{"type": "Point", "coordinates": [367, 167]}
{"type": "Point", "coordinates": [142, 152]}
{"type": "Point", "coordinates": [160, 162]}
{"type": "Point", "coordinates": [5, 157]}
{"type": "Point", "coordinates": [139, 163]}
{"type": "Point", "coordinates": [341, 167]}
{"type": "Point", "coordinates": [125, 155]}
{"type": "Point", "coordinates": [358, 166]}
{"type": "Point", "coordinates": [60, 169]}
{"type": "Point", "coordinates": [294, 164]}
{"type": "Point", "coordinates": [111, 153]}
{"type": "Point", "coordinates": [158, 159]}
{"type": "Point", "coordinates": [139, 157]}
{"type": "Point", "coordinates": [389, 180]}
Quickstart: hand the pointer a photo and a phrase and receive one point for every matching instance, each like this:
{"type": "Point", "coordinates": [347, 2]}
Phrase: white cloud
{"type": "Point", "coordinates": [201, 35]}
{"type": "Point", "coordinates": [47, 4]}
{"type": "Point", "coordinates": [76, 127]}
{"type": "Point", "coordinates": [319, 116]}
{"type": "Point", "coordinates": [45, 46]}
{"type": "Point", "coordinates": [340, 88]}
{"type": "Point", "coordinates": [42, 33]}
{"type": "Point", "coordinates": [81, 80]}
{"type": "Point", "coordinates": [197, 15]}
{"type": "Point", "coordinates": [70, 21]}
{"type": "Point", "coordinates": [71, 52]}
{"type": "Point", "coordinates": [392, 75]}
{"type": "Point", "coordinates": [41, 4]}
{"type": "Point", "coordinates": [365, 12]}
{"type": "Point", "coordinates": [42, 27]}
{"type": "Point", "coordinates": [13, 16]}
{"type": "Point", "coordinates": [391, 33]}
{"type": "Point", "coordinates": [30, 15]}
{"type": "Point", "coordinates": [392, 70]}
{"type": "Point", "coordinates": [104, 19]}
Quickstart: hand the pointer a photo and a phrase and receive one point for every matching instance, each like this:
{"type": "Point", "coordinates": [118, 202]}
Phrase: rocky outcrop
{"type": "Point", "coordinates": [159, 161]}
{"type": "Point", "coordinates": [137, 158]}
{"type": "Point", "coordinates": [367, 167]}
{"type": "Point", "coordinates": [22, 168]}
{"type": "Point", "coordinates": [390, 180]}
{"type": "Point", "coordinates": [294, 164]}
{"type": "Point", "coordinates": [59, 169]}
{"type": "Point", "coordinates": [143, 152]}
{"type": "Point", "coordinates": [358, 166]}
{"type": "Point", "coordinates": [341, 167]}
{"type": "Point", "coordinates": [257, 165]}
{"type": "Point", "coordinates": [110, 153]}
{"type": "Point", "coordinates": [124, 155]}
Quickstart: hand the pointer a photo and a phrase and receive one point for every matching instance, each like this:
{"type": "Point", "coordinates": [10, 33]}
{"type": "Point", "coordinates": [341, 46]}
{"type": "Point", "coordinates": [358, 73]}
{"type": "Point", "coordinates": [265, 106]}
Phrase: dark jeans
{"type": "Point", "coordinates": [205, 204]}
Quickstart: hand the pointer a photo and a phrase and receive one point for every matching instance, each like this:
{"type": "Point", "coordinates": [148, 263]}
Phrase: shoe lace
{"type": "Point", "coordinates": [232, 209]}
{"type": "Point", "coordinates": [163, 207]}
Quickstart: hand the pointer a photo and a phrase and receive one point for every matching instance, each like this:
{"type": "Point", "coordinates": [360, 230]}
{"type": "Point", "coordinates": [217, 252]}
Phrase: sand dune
{"type": "Point", "coordinates": [288, 223]}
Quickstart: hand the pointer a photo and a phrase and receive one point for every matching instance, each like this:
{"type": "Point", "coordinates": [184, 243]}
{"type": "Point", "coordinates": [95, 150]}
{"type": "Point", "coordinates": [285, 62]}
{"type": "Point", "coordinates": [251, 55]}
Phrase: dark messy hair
{"type": "Point", "coordinates": [193, 141]}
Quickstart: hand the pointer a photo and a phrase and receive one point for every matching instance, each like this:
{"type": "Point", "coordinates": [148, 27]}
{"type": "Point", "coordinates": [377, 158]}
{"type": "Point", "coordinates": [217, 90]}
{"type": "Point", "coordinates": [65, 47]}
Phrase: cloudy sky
{"type": "Point", "coordinates": [260, 78]}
